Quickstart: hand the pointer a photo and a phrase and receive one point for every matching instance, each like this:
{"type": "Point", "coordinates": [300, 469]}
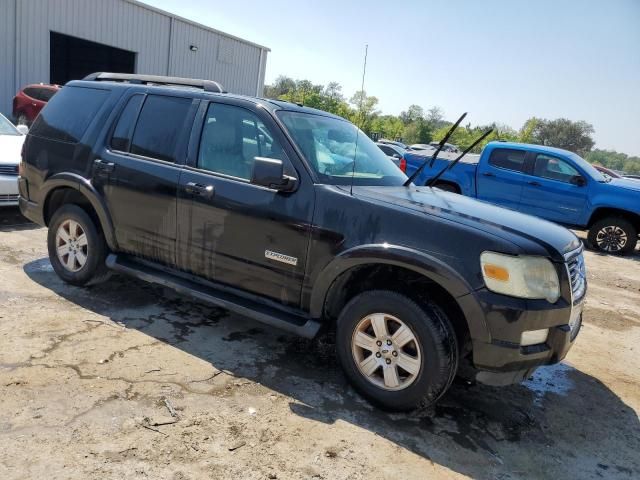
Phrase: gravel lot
{"type": "Point", "coordinates": [127, 380]}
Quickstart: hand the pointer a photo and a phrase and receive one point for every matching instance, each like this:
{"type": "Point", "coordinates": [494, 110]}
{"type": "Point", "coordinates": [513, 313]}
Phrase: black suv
{"type": "Point", "coordinates": [293, 217]}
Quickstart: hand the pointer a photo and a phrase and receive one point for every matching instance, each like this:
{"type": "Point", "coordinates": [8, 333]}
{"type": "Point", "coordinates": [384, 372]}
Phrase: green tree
{"type": "Point", "coordinates": [364, 110]}
{"type": "Point", "coordinates": [564, 133]}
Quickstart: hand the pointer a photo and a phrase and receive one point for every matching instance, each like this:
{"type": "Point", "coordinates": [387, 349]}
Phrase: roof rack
{"type": "Point", "coordinates": [206, 85]}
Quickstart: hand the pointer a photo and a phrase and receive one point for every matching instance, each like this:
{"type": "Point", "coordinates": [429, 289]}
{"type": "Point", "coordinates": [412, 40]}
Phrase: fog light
{"type": "Point", "coordinates": [533, 337]}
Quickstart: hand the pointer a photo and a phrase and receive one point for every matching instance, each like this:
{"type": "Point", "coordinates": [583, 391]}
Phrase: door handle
{"type": "Point", "coordinates": [533, 183]}
{"type": "Point", "coordinates": [205, 191]}
{"type": "Point", "coordinates": [488, 174]}
{"type": "Point", "coordinates": [104, 167]}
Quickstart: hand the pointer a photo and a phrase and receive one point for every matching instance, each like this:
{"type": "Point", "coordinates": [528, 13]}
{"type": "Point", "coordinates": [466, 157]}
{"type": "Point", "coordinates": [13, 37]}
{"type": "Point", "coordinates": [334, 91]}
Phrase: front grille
{"type": "Point", "coordinates": [4, 198]}
{"type": "Point", "coordinates": [578, 276]}
{"type": "Point", "coordinates": [8, 169]}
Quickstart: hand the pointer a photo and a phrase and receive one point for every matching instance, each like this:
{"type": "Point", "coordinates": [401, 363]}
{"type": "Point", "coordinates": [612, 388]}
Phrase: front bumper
{"type": "Point", "coordinates": [8, 190]}
{"type": "Point", "coordinates": [502, 360]}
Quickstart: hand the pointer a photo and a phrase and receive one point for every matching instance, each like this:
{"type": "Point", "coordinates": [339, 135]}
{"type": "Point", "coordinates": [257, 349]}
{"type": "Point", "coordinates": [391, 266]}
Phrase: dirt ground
{"type": "Point", "coordinates": [127, 380]}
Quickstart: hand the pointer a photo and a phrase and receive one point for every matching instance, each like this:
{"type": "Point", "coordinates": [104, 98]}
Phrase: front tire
{"type": "Point", "coordinates": [613, 235]}
{"type": "Point", "coordinates": [77, 249]}
{"type": "Point", "coordinates": [396, 353]}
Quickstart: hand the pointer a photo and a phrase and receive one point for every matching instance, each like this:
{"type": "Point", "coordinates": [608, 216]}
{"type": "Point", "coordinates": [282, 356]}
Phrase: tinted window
{"type": "Point", "coordinates": [121, 138]}
{"type": "Point", "coordinates": [161, 121]}
{"type": "Point", "coordinates": [231, 138]}
{"type": "Point", "coordinates": [388, 150]}
{"type": "Point", "coordinates": [45, 94]}
{"type": "Point", "coordinates": [69, 113]}
{"type": "Point", "coordinates": [30, 92]}
{"type": "Point", "coordinates": [509, 159]}
{"type": "Point", "coordinates": [554, 168]}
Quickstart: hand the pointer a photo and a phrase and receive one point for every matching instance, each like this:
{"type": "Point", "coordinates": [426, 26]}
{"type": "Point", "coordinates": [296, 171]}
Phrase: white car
{"type": "Point", "coordinates": [11, 140]}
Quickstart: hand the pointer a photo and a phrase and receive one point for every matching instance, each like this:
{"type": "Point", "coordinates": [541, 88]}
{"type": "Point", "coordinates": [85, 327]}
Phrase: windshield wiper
{"type": "Point", "coordinates": [435, 155]}
{"type": "Point", "coordinates": [433, 180]}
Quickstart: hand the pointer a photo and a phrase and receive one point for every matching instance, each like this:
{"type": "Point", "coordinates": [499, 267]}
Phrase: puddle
{"type": "Point", "coordinates": [552, 379]}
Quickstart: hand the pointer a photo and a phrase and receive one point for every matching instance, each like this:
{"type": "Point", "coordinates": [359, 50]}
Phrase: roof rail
{"type": "Point", "coordinates": [206, 85]}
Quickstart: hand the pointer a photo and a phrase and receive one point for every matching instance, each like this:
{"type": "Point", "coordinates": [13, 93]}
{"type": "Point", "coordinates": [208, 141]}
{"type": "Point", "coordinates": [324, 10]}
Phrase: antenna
{"type": "Point", "coordinates": [355, 155]}
{"type": "Point", "coordinates": [364, 72]}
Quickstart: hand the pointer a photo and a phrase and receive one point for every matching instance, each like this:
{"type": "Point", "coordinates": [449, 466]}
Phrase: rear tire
{"type": "Point", "coordinates": [613, 235]}
{"type": "Point", "coordinates": [77, 249]}
{"type": "Point", "coordinates": [424, 365]}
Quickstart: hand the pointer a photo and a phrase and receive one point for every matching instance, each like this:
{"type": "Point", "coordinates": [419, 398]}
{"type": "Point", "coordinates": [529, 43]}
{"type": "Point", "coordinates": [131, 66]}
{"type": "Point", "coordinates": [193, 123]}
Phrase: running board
{"type": "Point", "coordinates": [304, 327]}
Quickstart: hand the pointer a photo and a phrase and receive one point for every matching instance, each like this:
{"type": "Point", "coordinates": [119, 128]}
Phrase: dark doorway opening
{"type": "Point", "coordinates": [73, 58]}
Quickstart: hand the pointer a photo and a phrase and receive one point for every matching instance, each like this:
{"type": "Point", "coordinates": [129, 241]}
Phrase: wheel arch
{"type": "Point", "coordinates": [68, 188]}
{"type": "Point", "coordinates": [401, 267]}
{"type": "Point", "coordinates": [450, 183]}
{"type": "Point", "coordinates": [603, 212]}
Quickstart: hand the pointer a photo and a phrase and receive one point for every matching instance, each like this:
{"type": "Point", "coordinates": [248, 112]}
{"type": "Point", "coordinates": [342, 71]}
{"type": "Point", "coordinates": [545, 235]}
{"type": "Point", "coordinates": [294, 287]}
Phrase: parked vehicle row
{"type": "Point", "coordinates": [549, 183]}
{"type": "Point", "coordinates": [292, 216]}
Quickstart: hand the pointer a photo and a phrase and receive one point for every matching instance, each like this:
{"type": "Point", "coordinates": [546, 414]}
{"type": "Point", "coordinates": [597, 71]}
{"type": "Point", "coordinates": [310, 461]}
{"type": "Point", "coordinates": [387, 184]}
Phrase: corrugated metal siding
{"type": "Point", "coordinates": [161, 43]}
{"type": "Point", "coordinates": [7, 53]}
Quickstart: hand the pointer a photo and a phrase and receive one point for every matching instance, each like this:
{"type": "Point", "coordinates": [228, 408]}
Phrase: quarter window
{"type": "Point", "coordinates": [69, 113]}
{"type": "Point", "coordinates": [231, 139]}
{"type": "Point", "coordinates": [554, 168]}
{"type": "Point", "coordinates": [159, 126]}
{"type": "Point", "coordinates": [121, 139]}
{"type": "Point", "coordinates": [508, 159]}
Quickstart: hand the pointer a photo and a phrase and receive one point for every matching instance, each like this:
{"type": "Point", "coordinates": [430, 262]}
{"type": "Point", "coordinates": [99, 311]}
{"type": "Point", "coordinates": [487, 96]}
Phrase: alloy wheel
{"type": "Point", "coordinates": [611, 238]}
{"type": "Point", "coordinates": [72, 247]}
{"type": "Point", "coordinates": [386, 351]}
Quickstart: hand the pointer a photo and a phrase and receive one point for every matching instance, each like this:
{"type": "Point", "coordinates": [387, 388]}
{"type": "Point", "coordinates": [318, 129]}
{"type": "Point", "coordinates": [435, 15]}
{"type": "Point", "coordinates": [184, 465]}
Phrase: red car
{"type": "Point", "coordinates": [30, 100]}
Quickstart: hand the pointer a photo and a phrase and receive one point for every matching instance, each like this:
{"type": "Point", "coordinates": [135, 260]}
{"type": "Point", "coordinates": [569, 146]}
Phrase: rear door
{"type": "Point", "coordinates": [233, 232]}
{"type": "Point", "coordinates": [138, 172]}
{"type": "Point", "coordinates": [500, 179]}
{"type": "Point", "coordinates": [551, 191]}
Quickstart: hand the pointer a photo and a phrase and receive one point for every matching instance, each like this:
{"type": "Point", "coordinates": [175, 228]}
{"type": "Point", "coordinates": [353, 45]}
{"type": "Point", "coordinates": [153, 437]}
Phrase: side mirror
{"type": "Point", "coordinates": [269, 172]}
{"type": "Point", "coordinates": [23, 129]}
{"type": "Point", "coordinates": [578, 180]}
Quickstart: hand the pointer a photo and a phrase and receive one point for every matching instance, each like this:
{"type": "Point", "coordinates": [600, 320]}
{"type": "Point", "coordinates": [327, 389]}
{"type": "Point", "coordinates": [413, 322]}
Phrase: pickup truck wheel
{"type": "Point", "coordinates": [77, 250]}
{"type": "Point", "coordinates": [613, 235]}
{"type": "Point", "coordinates": [396, 353]}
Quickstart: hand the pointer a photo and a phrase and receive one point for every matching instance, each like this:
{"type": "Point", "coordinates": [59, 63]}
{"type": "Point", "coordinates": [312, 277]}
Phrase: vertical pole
{"type": "Point", "coordinates": [364, 71]}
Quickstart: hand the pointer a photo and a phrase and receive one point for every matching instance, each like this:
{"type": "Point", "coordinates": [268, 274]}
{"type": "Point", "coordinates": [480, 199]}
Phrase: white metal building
{"type": "Point", "coordinates": [53, 41]}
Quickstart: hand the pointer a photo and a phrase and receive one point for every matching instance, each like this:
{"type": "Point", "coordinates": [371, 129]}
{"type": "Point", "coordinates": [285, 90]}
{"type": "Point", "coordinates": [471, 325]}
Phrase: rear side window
{"type": "Point", "coordinates": [45, 94]}
{"type": "Point", "coordinates": [121, 139]}
{"type": "Point", "coordinates": [69, 113]}
{"type": "Point", "coordinates": [508, 159]}
{"type": "Point", "coordinates": [161, 121]}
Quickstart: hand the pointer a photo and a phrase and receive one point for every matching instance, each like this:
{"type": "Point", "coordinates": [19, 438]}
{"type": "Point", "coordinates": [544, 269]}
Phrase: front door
{"type": "Point", "coordinates": [138, 171]}
{"type": "Point", "coordinates": [555, 191]}
{"type": "Point", "coordinates": [233, 232]}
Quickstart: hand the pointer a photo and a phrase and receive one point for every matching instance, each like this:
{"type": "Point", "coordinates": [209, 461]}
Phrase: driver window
{"type": "Point", "coordinates": [554, 168]}
{"type": "Point", "coordinates": [231, 138]}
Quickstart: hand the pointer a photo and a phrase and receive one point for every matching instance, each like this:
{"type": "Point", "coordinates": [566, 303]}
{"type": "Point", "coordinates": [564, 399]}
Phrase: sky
{"type": "Point", "coordinates": [499, 60]}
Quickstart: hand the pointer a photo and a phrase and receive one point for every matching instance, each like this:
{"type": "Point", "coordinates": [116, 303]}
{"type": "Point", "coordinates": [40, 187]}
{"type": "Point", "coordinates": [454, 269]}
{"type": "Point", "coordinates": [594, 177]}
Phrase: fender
{"type": "Point", "coordinates": [84, 186]}
{"type": "Point", "coordinates": [408, 258]}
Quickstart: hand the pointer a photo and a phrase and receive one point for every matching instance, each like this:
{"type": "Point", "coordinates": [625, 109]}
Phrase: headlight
{"type": "Point", "coordinates": [521, 276]}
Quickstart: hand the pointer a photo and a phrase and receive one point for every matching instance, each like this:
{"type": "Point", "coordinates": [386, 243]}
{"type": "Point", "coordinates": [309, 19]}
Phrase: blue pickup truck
{"type": "Point", "coordinates": [547, 182]}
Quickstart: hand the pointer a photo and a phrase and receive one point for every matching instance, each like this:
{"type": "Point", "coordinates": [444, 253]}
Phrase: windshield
{"type": "Point", "coordinates": [7, 128]}
{"type": "Point", "coordinates": [330, 147]}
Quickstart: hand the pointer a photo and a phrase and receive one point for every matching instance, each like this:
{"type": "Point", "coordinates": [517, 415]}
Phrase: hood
{"type": "Point", "coordinates": [626, 183]}
{"type": "Point", "coordinates": [504, 223]}
{"type": "Point", "coordinates": [10, 149]}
